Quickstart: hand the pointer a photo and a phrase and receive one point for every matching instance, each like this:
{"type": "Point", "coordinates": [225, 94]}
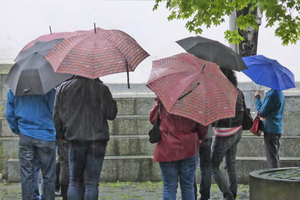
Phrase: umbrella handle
{"type": "Point", "coordinates": [127, 70]}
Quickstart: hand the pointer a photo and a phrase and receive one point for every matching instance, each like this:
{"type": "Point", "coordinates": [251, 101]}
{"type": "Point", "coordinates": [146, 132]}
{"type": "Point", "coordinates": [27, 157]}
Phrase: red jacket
{"type": "Point", "coordinates": [180, 137]}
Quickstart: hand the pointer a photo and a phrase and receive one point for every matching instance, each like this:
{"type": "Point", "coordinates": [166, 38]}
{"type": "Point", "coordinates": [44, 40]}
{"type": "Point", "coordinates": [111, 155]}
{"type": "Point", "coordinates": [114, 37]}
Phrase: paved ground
{"type": "Point", "coordinates": [123, 190]}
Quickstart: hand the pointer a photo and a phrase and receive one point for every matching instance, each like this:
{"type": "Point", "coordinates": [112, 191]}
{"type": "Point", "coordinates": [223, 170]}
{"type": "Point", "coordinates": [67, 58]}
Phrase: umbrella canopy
{"type": "Point", "coordinates": [193, 88]}
{"type": "Point", "coordinates": [268, 72]}
{"type": "Point", "coordinates": [48, 37]}
{"type": "Point", "coordinates": [96, 53]}
{"type": "Point", "coordinates": [213, 51]}
{"type": "Point", "coordinates": [32, 73]}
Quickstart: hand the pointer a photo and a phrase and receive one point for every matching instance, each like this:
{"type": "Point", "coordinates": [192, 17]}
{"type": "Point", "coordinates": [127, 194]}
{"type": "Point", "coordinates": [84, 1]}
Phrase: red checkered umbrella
{"type": "Point", "coordinates": [48, 37]}
{"type": "Point", "coordinates": [193, 88]}
{"type": "Point", "coordinates": [96, 53]}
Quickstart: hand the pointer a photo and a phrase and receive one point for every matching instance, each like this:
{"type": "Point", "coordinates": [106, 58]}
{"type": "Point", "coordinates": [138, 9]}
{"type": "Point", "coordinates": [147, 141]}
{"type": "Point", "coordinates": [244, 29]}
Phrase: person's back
{"type": "Point", "coordinates": [177, 151]}
{"type": "Point", "coordinates": [82, 108]}
{"type": "Point", "coordinates": [30, 117]}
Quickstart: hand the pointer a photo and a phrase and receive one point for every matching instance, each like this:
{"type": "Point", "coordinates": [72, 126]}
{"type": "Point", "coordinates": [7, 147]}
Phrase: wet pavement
{"type": "Point", "coordinates": [124, 190]}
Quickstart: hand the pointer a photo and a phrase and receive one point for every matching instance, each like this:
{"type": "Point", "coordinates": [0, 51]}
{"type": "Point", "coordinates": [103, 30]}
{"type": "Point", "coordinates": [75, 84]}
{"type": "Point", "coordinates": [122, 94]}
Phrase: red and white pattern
{"type": "Point", "coordinates": [223, 132]}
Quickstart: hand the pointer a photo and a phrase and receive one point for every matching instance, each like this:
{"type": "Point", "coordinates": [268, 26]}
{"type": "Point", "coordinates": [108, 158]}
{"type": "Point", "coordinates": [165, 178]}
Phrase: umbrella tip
{"type": "Point", "coordinates": [95, 28]}
{"type": "Point", "coordinates": [203, 68]}
{"type": "Point", "coordinates": [50, 30]}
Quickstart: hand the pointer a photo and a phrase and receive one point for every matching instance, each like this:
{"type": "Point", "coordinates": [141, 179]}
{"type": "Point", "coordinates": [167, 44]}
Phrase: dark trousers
{"type": "Point", "coordinates": [64, 175]}
{"type": "Point", "coordinates": [272, 148]}
{"type": "Point", "coordinates": [57, 184]}
{"type": "Point", "coordinates": [205, 168]}
{"type": "Point", "coordinates": [31, 150]}
{"type": "Point", "coordinates": [85, 162]}
{"type": "Point", "coordinates": [225, 147]}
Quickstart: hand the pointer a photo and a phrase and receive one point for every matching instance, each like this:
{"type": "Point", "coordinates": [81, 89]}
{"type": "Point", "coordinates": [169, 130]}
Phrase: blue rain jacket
{"type": "Point", "coordinates": [31, 115]}
{"type": "Point", "coordinates": [272, 108]}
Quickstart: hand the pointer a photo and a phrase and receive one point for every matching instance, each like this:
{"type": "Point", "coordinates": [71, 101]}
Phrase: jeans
{"type": "Point", "coordinates": [272, 148]}
{"type": "Point", "coordinates": [226, 147]}
{"type": "Point", "coordinates": [31, 150]}
{"type": "Point", "coordinates": [36, 191]}
{"type": "Point", "coordinates": [184, 170]}
{"type": "Point", "coordinates": [205, 168]}
{"type": "Point", "coordinates": [85, 164]}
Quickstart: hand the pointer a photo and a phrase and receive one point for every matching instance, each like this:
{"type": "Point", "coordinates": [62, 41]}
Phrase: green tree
{"type": "Point", "coordinates": [282, 13]}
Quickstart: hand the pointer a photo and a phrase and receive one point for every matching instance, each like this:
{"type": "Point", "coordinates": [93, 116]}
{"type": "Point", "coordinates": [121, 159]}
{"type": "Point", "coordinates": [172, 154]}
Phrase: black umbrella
{"type": "Point", "coordinates": [213, 51]}
{"type": "Point", "coordinates": [32, 73]}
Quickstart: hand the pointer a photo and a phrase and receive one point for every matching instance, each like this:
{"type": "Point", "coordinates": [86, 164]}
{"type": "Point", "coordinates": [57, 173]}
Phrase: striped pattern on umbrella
{"type": "Point", "coordinates": [185, 90]}
{"type": "Point", "coordinates": [93, 55]}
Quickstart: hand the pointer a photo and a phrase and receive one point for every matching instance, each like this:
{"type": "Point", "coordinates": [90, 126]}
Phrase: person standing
{"type": "Point", "coordinates": [271, 112]}
{"type": "Point", "coordinates": [228, 133]}
{"type": "Point", "coordinates": [30, 117]}
{"type": "Point", "coordinates": [82, 108]}
{"type": "Point", "coordinates": [177, 151]}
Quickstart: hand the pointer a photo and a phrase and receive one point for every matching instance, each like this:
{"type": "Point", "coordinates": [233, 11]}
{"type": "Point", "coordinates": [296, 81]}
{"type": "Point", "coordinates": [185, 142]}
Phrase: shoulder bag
{"type": "Point", "coordinates": [154, 133]}
{"type": "Point", "coordinates": [247, 118]}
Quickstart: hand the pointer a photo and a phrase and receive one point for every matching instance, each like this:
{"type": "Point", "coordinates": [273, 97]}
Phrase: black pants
{"type": "Point", "coordinates": [57, 184]}
{"type": "Point", "coordinates": [205, 168]}
{"type": "Point", "coordinates": [272, 148]}
{"type": "Point", "coordinates": [64, 175]}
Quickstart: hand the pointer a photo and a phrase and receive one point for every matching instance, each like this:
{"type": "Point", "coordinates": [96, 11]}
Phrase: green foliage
{"type": "Point", "coordinates": [282, 13]}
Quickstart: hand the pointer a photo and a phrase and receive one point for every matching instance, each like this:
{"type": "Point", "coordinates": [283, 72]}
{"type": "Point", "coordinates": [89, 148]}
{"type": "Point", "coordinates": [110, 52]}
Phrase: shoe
{"type": "Point", "coordinates": [57, 194]}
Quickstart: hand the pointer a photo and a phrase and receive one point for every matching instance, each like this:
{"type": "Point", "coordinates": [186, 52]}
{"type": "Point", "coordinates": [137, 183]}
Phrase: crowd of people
{"type": "Point", "coordinates": [184, 141]}
{"type": "Point", "coordinates": [74, 117]}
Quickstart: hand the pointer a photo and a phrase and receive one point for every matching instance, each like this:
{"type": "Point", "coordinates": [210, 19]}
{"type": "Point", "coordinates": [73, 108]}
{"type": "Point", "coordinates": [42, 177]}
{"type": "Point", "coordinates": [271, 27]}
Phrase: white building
{"type": "Point", "coordinates": [22, 21]}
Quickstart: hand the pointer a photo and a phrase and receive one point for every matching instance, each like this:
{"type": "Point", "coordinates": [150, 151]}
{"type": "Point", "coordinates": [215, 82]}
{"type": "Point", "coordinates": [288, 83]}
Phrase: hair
{"type": "Point", "coordinates": [230, 74]}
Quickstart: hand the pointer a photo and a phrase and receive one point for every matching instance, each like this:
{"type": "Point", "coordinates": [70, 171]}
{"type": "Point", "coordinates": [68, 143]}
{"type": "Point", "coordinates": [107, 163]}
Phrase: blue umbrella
{"type": "Point", "coordinates": [268, 72]}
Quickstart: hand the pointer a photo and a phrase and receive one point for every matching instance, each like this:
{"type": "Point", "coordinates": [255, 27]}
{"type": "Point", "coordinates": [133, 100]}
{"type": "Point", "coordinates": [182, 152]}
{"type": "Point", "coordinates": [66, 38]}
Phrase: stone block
{"type": "Point", "coordinates": [142, 168]}
{"type": "Point", "coordinates": [144, 125]}
{"type": "Point", "coordinates": [14, 174]}
{"type": "Point", "coordinates": [9, 148]}
{"type": "Point", "coordinates": [126, 106]}
{"type": "Point", "coordinates": [129, 145]}
{"type": "Point", "coordinates": [5, 67]}
{"type": "Point", "coordinates": [130, 125]}
{"type": "Point", "coordinates": [292, 104]}
{"type": "Point", "coordinates": [125, 125]}
{"type": "Point", "coordinates": [291, 125]}
{"type": "Point", "coordinates": [5, 129]}
{"type": "Point", "coordinates": [131, 168]}
{"type": "Point", "coordinates": [144, 105]}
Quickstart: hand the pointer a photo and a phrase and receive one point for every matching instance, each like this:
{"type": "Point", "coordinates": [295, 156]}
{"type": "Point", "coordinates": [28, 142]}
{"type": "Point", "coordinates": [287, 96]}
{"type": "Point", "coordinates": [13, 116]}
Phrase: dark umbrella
{"type": "Point", "coordinates": [96, 53]}
{"type": "Point", "coordinates": [268, 72]}
{"type": "Point", "coordinates": [32, 73]}
{"type": "Point", "coordinates": [213, 51]}
{"type": "Point", "coordinates": [48, 37]}
{"type": "Point", "coordinates": [193, 88]}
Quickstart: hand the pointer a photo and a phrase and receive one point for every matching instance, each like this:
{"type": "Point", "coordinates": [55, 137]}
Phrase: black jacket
{"type": "Point", "coordinates": [239, 111]}
{"type": "Point", "coordinates": [82, 107]}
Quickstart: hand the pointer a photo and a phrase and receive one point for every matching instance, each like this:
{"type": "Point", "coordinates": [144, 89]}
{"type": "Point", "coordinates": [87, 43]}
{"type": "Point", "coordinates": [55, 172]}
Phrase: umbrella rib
{"type": "Point", "coordinates": [189, 91]}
